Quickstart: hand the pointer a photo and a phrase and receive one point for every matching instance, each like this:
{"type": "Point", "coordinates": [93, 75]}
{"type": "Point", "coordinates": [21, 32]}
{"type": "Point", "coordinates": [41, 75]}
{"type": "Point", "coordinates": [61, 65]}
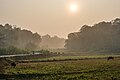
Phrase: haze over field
{"type": "Point", "coordinates": [57, 17]}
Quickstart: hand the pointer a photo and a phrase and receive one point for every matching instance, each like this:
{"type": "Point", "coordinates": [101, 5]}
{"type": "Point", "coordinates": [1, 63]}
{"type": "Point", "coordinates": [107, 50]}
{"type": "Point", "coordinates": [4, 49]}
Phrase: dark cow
{"type": "Point", "coordinates": [13, 64]}
{"type": "Point", "coordinates": [110, 58]}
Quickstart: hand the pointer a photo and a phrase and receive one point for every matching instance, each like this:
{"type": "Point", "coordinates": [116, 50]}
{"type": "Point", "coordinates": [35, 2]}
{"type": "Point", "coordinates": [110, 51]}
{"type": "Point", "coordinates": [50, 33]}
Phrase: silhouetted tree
{"type": "Point", "coordinates": [14, 36]}
{"type": "Point", "coordinates": [102, 37]}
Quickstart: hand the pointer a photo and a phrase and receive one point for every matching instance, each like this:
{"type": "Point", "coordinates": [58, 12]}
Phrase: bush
{"type": "Point", "coordinates": [12, 50]}
{"type": "Point", "coordinates": [44, 51]}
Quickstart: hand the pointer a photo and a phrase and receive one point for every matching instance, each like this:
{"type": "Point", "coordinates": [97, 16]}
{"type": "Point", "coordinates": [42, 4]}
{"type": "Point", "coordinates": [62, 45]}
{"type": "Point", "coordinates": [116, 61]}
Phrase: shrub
{"type": "Point", "coordinates": [12, 50]}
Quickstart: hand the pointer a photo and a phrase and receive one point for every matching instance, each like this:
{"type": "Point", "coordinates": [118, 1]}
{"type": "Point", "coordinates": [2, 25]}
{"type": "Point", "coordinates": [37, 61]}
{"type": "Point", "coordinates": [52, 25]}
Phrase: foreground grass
{"type": "Point", "coordinates": [76, 57]}
{"type": "Point", "coordinates": [93, 69]}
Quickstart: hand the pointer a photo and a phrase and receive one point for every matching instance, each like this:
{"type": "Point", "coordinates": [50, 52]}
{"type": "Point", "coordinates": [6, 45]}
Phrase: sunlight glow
{"type": "Point", "coordinates": [73, 7]}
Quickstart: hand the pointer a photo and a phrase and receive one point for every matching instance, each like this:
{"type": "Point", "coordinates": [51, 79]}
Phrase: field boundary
{"type": "Point", "coordinates": [60, 60]}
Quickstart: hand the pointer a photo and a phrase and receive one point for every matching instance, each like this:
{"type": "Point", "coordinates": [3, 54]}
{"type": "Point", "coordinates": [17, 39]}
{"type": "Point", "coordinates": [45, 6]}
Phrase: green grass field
{"type": "Point", "coordinates": [76, 57]}
{"type": "Point", "coordinates": [86, 69]}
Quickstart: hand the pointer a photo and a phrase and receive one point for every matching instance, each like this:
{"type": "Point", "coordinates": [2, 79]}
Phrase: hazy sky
{"type": "Point", "coordinates": [54, 16]}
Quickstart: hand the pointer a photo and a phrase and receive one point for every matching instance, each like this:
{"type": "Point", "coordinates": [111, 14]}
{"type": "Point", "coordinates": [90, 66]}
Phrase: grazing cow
{"type": "Point", "coordinates": [13, 64]}
{"type": "Point", "coordinates": [110, 58]}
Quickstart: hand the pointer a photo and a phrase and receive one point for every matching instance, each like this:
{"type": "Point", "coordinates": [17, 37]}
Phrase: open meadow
{"type": "Point", "coordinates": [65, 68]}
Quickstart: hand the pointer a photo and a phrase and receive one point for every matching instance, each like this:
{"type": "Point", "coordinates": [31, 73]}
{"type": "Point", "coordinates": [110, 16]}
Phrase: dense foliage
{"type": "Point", "coordinates": [23, 39]}
{"type": "Point", "coordinates": [101, 37]}
{"type": "Point", "coordinates": [12, 50]}
{"type": "Point", "coordinates": [44, 51]}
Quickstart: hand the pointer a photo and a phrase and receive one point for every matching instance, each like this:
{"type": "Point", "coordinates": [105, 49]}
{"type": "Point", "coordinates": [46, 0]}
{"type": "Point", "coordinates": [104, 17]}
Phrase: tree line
{"type": "Point", "coordinates": [101, 37]}
{"type": "Point", "coordinates": [15, 40]}
{"type": "Point", "coordinates": [54, 42]}
{"type": "Point", "coordinates": [22, 39]}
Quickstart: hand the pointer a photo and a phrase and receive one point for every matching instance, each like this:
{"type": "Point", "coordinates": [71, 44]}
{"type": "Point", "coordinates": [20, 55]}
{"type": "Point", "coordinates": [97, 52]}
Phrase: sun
{"type": "Point", "coordinates": [73, 7]}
